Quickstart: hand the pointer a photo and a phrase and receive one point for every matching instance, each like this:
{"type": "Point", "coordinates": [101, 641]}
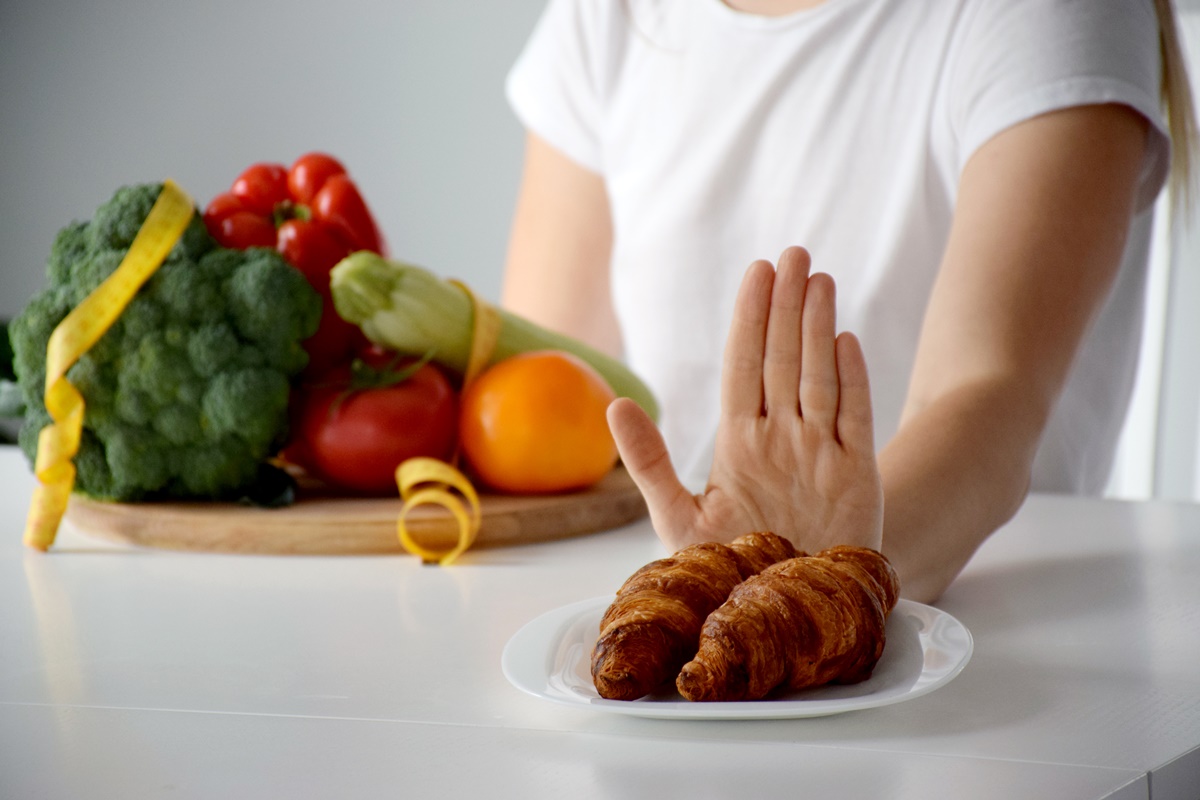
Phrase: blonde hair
{"type": "Point", "coordinates": [1181, 111]}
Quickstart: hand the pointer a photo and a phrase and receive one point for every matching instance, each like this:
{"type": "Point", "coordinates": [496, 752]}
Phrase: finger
{"type": "Point", "coordinates": [855, 423]}
{"type": "Point", "coordinates": [742, 373]}
{"type": "Point", "coordinates": [818, 366]}
{"type": "Point", "coordinates": [644, 453]}
{"type": "Point", "coordinates": [781, 364]}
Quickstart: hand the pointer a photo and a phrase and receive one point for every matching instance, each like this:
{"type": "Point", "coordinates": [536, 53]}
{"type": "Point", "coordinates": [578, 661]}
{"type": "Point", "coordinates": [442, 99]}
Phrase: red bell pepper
{"type": "Point", "coordinates": [314, 215]}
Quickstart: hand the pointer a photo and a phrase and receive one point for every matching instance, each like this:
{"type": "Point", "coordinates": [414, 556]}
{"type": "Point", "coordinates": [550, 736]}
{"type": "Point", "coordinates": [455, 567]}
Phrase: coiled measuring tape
{"type": "Point", "coordinates": [431, 481]}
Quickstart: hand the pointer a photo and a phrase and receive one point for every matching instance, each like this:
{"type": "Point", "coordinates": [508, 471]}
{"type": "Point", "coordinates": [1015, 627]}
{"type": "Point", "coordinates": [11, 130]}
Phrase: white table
{"type": "Point", "coordinates": [140, 674]}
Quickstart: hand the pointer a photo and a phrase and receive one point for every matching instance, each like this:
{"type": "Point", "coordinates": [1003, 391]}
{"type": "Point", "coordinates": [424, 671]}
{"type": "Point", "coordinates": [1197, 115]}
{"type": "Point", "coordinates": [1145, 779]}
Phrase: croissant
{"type": "Point", "coordinates": [799, 623]}
{"type": "Point", "coordinates": [653, 625]}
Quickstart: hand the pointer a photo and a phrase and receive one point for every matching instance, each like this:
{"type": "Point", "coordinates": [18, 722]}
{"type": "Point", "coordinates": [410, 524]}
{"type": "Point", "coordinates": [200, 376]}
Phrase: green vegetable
{"type": "Point", "coordinates": [187, 394]}
{"type": "Point", "coordinates": [412, 311]}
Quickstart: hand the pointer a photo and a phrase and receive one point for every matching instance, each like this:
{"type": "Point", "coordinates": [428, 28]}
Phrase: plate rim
{"type": "Point", "coordinates": [550, 627]}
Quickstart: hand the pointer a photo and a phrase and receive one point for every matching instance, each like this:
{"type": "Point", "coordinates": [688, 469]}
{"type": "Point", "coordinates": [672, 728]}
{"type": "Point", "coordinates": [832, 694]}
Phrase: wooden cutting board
{"type": "Point", "coordinates": [333, 525]}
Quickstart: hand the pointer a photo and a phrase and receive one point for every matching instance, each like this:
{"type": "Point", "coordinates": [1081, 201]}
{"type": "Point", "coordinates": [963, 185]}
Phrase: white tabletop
{"type": "Point", "coordinates": [138, 674]}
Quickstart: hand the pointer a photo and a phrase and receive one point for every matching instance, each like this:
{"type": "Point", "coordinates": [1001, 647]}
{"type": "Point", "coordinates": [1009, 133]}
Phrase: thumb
{"type": "Point", "coordinates": [645, 456]}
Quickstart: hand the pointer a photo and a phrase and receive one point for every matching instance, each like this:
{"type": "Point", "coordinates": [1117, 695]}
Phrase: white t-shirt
{"type": "Point", "coordinates": [724, 137]}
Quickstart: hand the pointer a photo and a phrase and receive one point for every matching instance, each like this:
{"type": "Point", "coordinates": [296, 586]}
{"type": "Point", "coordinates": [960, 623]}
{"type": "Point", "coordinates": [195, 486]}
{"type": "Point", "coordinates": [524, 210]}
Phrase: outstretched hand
{"type": "Point", "coordinates": [795, 450]}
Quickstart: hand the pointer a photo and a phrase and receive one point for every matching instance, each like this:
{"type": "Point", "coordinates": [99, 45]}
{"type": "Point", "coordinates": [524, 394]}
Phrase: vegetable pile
{"type": "Point", "coordinates": [412, 311]}
{"type": "Point", "coordinates": [533, 426]}
{"type": "Point", "coordinates": [277, 333]}
{"type": "Point", "coordinates": [187, 394]}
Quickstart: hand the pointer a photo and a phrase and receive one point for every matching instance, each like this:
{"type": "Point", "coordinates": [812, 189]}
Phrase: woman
{"type": "Point", "coordinates": [978, 177]}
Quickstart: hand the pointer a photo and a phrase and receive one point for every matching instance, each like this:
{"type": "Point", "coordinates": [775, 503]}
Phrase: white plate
{"type": "Point", "coordinates": [550, 658]}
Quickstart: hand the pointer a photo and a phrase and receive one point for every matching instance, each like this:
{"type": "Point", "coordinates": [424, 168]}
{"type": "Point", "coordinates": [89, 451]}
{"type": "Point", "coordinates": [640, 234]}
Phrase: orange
{"type": "Point", "coordinates": [535, 423]}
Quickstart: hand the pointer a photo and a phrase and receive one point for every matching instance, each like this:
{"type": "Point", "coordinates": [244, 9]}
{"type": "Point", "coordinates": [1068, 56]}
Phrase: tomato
{"type": "Point", "coordinates": [353, 432]}
{"type": "Point", "coordinates": [536, 423]}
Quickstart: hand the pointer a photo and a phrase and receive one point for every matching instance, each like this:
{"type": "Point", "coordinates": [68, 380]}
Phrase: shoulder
{"type": "Point", "coordinates": [559, 84]}
{"type": "Point", "coordinates": [1015, 59]}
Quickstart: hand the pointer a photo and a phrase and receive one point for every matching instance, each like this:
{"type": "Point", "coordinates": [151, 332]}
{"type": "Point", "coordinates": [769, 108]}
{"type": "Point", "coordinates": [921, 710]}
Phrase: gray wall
{"type": "Point", "coordinates": [408, 93]}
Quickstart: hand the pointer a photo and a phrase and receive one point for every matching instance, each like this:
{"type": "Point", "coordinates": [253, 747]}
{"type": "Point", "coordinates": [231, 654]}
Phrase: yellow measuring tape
{"type": "Point", "coordinates": [431, 481]}
{"type": "Point", "coordinates": [58, 442]}
{"type": "Point", "coordinates": [485, 332]}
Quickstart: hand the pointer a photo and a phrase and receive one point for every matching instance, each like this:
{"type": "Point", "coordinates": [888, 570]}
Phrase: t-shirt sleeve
{"type": "Point", "coordinates": [1022, 58]}
{"type": "Point", "coordinates": [554, 85]}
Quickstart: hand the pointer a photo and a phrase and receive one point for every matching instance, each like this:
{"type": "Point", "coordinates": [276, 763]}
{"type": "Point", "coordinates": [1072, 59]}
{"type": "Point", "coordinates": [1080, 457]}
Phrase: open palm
{"type": "Point", "coordinates": [795, 443]}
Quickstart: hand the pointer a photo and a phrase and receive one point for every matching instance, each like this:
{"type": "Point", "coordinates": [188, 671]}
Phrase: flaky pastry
{"type": "Point", "coordinates": [653, 625]}
{"type": "Point", "coordinates": [799, 623]}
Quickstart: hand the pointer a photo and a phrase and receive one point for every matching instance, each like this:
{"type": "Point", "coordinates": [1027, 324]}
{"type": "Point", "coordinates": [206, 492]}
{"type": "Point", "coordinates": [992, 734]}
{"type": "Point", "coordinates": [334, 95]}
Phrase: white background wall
{"type": "Point", "coordinates": [1160, 447]}
{"type": "Point", "coordinates": [409, 94]}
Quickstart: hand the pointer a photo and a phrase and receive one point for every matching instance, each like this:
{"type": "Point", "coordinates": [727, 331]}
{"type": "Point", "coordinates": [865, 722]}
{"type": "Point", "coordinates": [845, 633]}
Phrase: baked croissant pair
{"type": "Point", "coordinates": [738, 621]}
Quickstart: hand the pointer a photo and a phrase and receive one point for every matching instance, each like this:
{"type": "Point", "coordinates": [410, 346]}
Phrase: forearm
{"type": "Point", "coordinates": [957, 470]}
{"type": "Point", "coordinates": [1036, 244]}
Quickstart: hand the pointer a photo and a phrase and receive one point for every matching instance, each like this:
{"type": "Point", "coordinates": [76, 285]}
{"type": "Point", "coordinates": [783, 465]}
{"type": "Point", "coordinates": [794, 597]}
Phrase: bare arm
{"type": "Point", "coordinates": [1037, 239]}
{"type": "Point", "coordinates": [558, 257]}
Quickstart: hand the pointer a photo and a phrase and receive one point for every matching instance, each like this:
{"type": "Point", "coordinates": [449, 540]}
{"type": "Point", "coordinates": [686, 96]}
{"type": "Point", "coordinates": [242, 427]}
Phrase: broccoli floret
{"type": "Point", "coordinates": [69, 246]}
{"type": "Point", "coordinates": [187, 394]}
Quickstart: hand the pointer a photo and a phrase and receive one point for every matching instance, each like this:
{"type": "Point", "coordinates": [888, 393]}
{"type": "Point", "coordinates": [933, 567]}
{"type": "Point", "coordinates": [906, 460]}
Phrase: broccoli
{"type": "Point", "coordinates": [186, 395]}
